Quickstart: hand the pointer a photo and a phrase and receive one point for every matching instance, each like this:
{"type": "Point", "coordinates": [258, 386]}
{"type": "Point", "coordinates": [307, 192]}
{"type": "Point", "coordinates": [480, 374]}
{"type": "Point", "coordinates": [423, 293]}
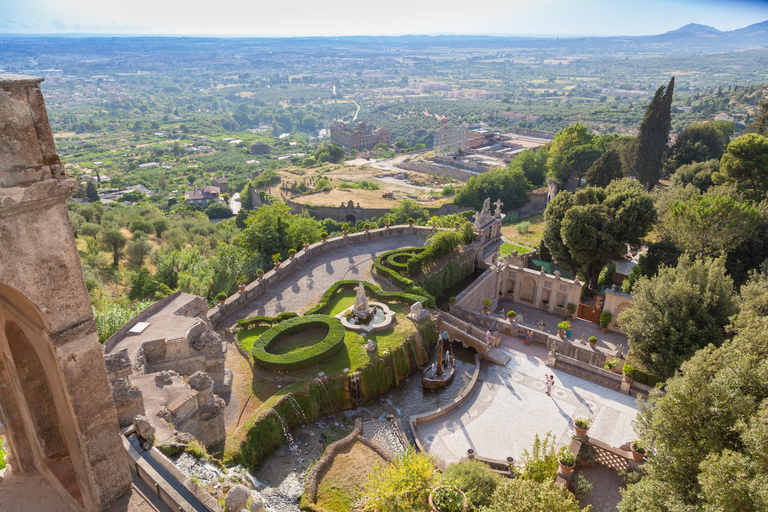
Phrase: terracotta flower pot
{"type": "Point", "coordinates": [221, 302]}
{"type": "Point", "coordinates": [635, 454]}
{"type": "Point", "coordinates": [580, 432]}
{"type": "Point", "coordinates": [325, 238]}
{"type": "Point", "coordinates": [593, 345]}
{"type": "Point", "coordinates": [566, 470]}
{"type": "Point", "coordinates": [306, 246]}
{"type": "Point", "coordinates": [291, 256]}
{"type": "Point", "coordinates": [241, 287]}
{"type": "Point", "coordinates": [626, 378]}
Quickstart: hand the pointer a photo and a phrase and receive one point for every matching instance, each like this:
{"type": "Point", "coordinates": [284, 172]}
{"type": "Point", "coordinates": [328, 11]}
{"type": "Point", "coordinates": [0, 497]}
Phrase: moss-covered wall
{"type": "Point", "coordinates": [448, 275]}
{"type": "Point", "coordinates": [324, 397]}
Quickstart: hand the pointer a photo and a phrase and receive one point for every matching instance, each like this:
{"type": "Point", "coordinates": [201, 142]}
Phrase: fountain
{"type": "Point", "coordinates": [440, 373]}
{"type": "Point", "coordinates": [366, 316]}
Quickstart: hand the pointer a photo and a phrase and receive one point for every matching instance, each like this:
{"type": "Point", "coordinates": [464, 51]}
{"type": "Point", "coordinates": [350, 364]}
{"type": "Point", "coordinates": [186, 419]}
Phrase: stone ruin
{"type": "Point", "coordinates": [167, 364]}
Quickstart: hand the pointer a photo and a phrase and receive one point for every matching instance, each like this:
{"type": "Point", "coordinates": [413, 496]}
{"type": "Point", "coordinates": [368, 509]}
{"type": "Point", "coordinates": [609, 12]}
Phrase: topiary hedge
{"type": "Point", "coordinates": [254, 321]}
{"type": "Point", "coordinates": [371, 289]}
{"type": "Point", "coordinates": [303, 357]}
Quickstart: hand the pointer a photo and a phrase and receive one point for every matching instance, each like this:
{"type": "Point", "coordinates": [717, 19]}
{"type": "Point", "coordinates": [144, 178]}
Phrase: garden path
{"type": "Point", "coordinates": [304, 288]}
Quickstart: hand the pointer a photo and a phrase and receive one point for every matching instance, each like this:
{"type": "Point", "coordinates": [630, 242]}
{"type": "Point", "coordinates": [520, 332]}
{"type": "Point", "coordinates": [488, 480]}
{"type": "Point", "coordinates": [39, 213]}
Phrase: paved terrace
{"type": "Point", "coordinates": [509, 407]}
{"type": "Point", "coordinates": [306, 285]}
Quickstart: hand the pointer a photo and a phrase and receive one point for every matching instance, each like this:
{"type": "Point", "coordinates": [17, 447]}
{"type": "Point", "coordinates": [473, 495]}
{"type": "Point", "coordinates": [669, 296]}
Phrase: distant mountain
{"type": "Point", "coordinates": [695, 28]}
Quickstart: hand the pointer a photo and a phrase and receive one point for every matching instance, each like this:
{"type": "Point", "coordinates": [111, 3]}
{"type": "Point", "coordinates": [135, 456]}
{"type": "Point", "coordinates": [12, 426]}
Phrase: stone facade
{"type": "Point", "coordinates": [55, 401]}
{"type": "Point", "coordinates": [177, 338]}
{"type": "Point", "coordinates": [358, 137]}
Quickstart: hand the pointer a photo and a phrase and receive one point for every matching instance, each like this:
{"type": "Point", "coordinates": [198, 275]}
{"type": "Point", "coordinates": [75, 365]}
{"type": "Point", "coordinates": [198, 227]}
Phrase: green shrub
{"type": "Point", "coordinates": [402, 486]}
{"type": "Point", "coordinates": [571, 308]}
{"type": "Point", "coordinates": [610, 365]}
{"type": "Point", "coordinates": [540, 464]}
{"type": "Point", "coordinates": [564, 325]}
{"type": "Point", "coordinates": [566, 457]}
{"type": "Point", "coordinates": [372, 290]}
{"type": "Point", "coordinates": [606, 274]}
{"type": "Point", "coordinates": [605, 318]}
{"type": "Point", "coordinates": [580, 485]}
{"type": "Point", "coordinates": [448, 499]}
{"type": "Point", "coordinates": [593, 339]}
{"type": "Point", "coordinates": [527, 496]}
{"type": "Point", "coordinates": [476, 479]}
{"type": "Point", "coordinates": [303, 357]}
{"type": "Point", "coordinates": [628, 370]}
{"type": "Point", "coordinates": [582, 422]}
{"type": "Point", "coordinates": [523, 227]}
{"type": "Point", "coordinates": [221, 296]}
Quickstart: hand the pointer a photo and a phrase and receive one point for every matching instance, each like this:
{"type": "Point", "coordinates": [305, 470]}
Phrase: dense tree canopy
{"type": "Point", "coordinates": [605, 169]}
{"type": "Point", "coordinates": [533, 164]}
{"type": "Point", "coordinates": [560, 148]}
{"type": "Point", "coordinates": [509, 185]}
{"type": "Point", "coordinates": [698, 142]}
{"type": "Point", "coordinates": [707, 435]}
{"type": "Point", "coordinates": [586, 230]}
{"type": "Point", "coordinates": [746, 164]}
{"type": "Point", "coordinates": [710, 224]}
{"type": "Point", "coordinates": [679, 311]}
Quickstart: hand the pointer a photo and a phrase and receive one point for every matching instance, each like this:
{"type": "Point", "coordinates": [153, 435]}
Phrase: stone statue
{"type": "Point", "coordinates": [498, 205]}
{"type": "Point", "coordinates": [486, 205]}
{"type": "Point", "coordinates": [418, 312]}
{"type": "Point", "coordinates": [557, 274]}
{"type": "Point", "coordinates": [361, 301]}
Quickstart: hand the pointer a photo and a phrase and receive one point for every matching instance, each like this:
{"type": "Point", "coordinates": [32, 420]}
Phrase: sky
{"type": "Point", "coordinates": [286, 18]}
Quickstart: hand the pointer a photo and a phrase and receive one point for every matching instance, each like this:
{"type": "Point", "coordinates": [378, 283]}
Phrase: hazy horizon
{"type": "Point", "coordinates": [343, 18]}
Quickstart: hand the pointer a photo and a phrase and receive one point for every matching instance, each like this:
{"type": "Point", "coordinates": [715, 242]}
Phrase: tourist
{"type": "Point", "coordinates": [550, 382]}
{"type": "Point", "coordinates": [488, 336]}
{"type": "Point", "coordinates": [529, 337]}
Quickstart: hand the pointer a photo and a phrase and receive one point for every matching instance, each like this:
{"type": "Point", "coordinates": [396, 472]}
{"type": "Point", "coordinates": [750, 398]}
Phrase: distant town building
{"type": "Point", "coordinates": [222, 183]}
{"type": "Point", "coordinates": [260, 148]}
{"type": "Point", "coordinates": [514, 117]}
{"type": "Point", "coordinates": [360, 137]}
{"type": "Point", "coordinates": [448, 139]}
{"type": "Point", "coordinates": [722, 116]}
{"type": "Point", "coordinates": [201, 196]}
{"type": "Point", "coordinates": [149, 165]}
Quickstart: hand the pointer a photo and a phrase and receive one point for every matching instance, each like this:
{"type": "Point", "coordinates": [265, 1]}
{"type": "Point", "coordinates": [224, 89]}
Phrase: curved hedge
{"type": "Point", "coordinates": [303, 357]}
{"type": "Point", "coordinates": [401, 254]}
{"type": "Point", "coordinates": [253, 321]}
{"type": "Point", "coordinates": [373, 292]}
{"type": "Point", "coordinates": [403, 282]}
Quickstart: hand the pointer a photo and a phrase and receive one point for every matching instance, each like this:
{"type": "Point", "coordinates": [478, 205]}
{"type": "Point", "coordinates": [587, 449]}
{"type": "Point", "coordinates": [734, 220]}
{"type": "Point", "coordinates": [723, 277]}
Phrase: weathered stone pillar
{"type": "Point", "coordinates": [44, 299]}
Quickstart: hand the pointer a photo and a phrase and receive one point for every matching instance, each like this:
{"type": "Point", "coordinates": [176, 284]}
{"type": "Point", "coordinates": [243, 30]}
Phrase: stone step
{"type": "Point", "coordinates": [497, 356]}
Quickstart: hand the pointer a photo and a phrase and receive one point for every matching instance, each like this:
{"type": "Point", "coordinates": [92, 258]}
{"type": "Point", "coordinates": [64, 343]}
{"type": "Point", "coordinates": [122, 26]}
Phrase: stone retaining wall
{"type": "Point", "coordinates": [287, 268]}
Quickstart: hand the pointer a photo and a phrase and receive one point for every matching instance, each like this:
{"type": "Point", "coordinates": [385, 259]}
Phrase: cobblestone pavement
{"type": "Point", "coordinates": [509, 407]}
{"type": "Point", "coordinates": [304, 288]}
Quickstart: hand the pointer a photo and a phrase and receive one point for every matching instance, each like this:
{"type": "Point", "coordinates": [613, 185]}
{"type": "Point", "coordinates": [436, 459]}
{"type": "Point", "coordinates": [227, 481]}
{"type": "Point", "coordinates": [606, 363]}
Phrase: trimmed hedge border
{"type": "Point", "coordinates": [403, 282]}
{"type": "Point", "coordinates": [254, 321]}
{"type": "Point", "coordinates": [304, 357]}
{"type": "Point", "coordinates": [372, 289]}
{"type": "Point", "coordinates": [402, 253]}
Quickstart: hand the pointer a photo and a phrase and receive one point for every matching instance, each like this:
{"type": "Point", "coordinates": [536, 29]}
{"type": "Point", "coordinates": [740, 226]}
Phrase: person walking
{"type": "Point", "coordinates": [550, 383]}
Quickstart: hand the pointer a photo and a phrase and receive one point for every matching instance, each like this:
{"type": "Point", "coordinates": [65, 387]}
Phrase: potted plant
{"type": "Point", "coordinates": [291, 253]}
{"type": "Point", "coordinates": [571, 309]}
{"type": "Point", "coordinates": [627, 371]}
{"type": "Point", "coordinates": [638, 450]}
{"type": "Point", "coordinates": [241, 282]}
{"type": "Point", "coordinates": [345, 228]}
{"type": "Point", "coordinates": [386, 224]}
{"type": "Point", "coordinates": [593, 341]}
{"type": "Point", "coordinates": [259, 274]}
{"type": "Point", "coordinates": [221, 297]}
{"type": "Point", "coordinates": [581, 426]}
{"type": "Point", "coordinates": [452, 300]}
{"type": "Point", "coordinates": [567, 460]}
{"type": "Point", "coordinates": [487, 303]}
{"type": "Point", "coordinates": [511, 315]}
{"type": "Point", "coordinates": [611, 365]}
{"type": "Point", "coordinates": [411, 221]}
{"type": "Point", "coordinates": [605, 320]}
{"type": "Point", "coordinates": [563, 327]}
{"type": "Point", "coordinates": [367, 226]}
{"type": "Point", "coordinates": [448, 499]}
{"type": "Point", "coordinates": [324, 236]}
{"type": "Point", "coordinates": [306, 245]}
{"type": "Point", "coordinates": [276, 259]}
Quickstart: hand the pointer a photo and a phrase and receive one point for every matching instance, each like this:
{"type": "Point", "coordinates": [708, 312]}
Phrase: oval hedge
{"type": "Point", "coordinates": [303, 357]}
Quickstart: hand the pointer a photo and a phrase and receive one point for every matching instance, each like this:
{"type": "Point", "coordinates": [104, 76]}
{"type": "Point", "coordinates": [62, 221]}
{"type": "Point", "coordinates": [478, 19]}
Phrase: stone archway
{"type": "Point", "coordinates": [351, 219]}
{"type": "Point", "coordinates": [32, 400]}
{"type": "Point", "coordinates": [619, 309]}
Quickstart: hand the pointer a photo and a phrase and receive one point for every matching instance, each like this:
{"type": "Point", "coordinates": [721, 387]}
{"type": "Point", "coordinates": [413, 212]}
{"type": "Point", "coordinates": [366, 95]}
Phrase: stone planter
{"type": "Point", "coordinates": [471, 453]}
{"type": "Point", "coordinates": [636, 454]}
{"type": "Point", "coordinates": [433, 508]}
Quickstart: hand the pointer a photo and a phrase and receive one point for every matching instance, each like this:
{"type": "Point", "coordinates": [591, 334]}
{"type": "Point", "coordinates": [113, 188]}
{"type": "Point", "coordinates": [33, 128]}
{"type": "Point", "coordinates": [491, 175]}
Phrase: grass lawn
{"type": "Point", "coordinates": [508, 248]}
{"type": "Point", "coordinates": [532, 238]}
{"type": "Point", "coordinates": [339, 487]}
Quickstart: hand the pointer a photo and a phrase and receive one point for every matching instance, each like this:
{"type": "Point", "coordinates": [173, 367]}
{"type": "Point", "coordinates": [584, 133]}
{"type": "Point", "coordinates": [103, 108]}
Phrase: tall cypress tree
{"type": "Point", "coordinates": [652, 137]}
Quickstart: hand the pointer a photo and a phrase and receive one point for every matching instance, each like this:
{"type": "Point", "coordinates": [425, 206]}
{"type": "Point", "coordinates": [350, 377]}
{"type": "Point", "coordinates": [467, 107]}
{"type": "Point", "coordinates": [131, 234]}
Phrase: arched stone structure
{"type": "Point", "coordinates": [54, 393]}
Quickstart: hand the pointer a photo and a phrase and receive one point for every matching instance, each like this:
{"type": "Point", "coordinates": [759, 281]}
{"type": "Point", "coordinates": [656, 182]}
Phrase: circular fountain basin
{"type": "Point", "coordinates": [380, 320]}
{"type": "Point", "coordinates": [431, 380]}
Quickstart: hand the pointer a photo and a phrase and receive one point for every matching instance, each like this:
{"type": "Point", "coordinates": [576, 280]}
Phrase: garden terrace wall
{"type": "Point", "coordinates": [266, 431]}
{"type": "Point", "coordinates": [287, 268]}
